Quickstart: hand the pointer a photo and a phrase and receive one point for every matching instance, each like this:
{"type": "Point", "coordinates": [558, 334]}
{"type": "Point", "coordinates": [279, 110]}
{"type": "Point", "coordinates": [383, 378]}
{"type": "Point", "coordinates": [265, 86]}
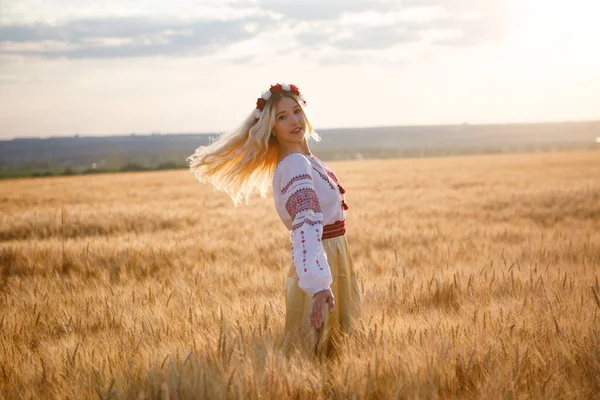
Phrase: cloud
{"type": "Point", "coordinates": [359, 37]}
{"type": "Point", "coordinates": [379, 37]}
{"type": "Point", "coordinates": [127, 37]}
{"type": "Point", "coordinates": [340, 25]}
{"type": "Point", "coordinates": [357, 27]}
{"type": "Point", "coordinates": [324, 10]}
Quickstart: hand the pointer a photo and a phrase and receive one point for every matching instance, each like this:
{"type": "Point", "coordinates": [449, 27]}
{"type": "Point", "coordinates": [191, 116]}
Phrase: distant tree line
{"type": "Point", "coordinates": [73, 170]}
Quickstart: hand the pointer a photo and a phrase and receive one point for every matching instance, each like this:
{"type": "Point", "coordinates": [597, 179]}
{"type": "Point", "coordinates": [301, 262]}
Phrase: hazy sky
{"type": "Point", "coordinates": [122, 66]}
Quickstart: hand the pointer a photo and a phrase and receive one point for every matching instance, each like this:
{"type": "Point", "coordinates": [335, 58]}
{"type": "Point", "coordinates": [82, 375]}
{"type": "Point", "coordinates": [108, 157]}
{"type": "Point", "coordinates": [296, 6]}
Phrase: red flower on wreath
{"type": "Point", "coordinates": [276, 88]}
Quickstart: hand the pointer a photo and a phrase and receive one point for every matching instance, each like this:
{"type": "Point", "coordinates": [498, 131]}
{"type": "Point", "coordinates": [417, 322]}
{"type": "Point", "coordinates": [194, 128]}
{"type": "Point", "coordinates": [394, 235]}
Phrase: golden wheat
{"type": "Point", "coordinates": [479, 279]}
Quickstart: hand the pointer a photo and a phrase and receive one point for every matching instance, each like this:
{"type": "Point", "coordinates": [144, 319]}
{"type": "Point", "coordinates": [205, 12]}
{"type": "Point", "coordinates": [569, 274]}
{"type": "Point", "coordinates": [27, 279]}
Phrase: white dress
{"type": "Point", "coordinates": [307, 197]}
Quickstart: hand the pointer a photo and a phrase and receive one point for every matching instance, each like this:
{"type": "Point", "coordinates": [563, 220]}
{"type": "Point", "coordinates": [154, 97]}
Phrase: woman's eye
{"type": "Point", "coordinates": [298, 111]}
{"type": "Point", "coordinates": [282, 117]}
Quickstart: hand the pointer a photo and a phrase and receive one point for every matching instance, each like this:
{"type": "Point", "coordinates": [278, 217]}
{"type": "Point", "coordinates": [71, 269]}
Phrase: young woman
{"type": "Point", "coordinates": [270, 152]}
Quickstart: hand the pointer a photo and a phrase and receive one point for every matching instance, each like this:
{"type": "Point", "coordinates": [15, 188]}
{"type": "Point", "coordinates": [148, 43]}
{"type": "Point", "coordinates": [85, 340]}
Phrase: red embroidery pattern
{"type": "Point", "coordinates": [332, 176]}
{"type": "Point", "coordinates": [303, 251]}
{"type": "Point", "coordinates": [301, 200]}
{"type": "Point", "coordinates": [328, 177]}
{"type": "Point", "coordinates": [330, 173]}
{"type": "Point", "coordinates": [306, 221]}
{"type": "Point", "coordinates": [294, 179]}
{"type": "Point", "coordinates": [322, 175]}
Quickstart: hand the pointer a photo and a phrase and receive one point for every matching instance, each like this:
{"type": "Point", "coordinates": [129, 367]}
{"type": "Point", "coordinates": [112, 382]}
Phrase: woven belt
{"type": "Point", "coordinates": [334, 230]}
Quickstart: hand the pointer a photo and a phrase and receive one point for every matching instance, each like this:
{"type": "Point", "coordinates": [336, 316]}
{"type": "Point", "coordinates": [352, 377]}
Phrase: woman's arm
{"type": "Point", "coordinates": [298, 193]}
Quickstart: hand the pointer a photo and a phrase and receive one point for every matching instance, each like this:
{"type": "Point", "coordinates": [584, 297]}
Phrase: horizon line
{"type": "Point", "coordinates": [150, 134]}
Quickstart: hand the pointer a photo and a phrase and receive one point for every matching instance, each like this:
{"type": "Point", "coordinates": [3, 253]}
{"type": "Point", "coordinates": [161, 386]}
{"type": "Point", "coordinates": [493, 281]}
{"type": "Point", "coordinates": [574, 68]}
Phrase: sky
{"type": "Point", "coordinates": [117, 67]}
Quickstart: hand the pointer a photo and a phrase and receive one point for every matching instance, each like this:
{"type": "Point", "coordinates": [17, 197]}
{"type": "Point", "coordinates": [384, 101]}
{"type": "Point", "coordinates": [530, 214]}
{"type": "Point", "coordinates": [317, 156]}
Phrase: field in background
{"type": "Point", "coordinates": [479, 278]}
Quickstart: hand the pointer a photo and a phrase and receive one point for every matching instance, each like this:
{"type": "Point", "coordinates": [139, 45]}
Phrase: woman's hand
{"type": "Point", "coordinates": [319, 300]}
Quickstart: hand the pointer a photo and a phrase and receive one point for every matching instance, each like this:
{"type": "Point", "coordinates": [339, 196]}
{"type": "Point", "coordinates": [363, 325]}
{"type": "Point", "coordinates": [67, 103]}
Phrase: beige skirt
{"type": "Point", "coordinates": [344, 318]}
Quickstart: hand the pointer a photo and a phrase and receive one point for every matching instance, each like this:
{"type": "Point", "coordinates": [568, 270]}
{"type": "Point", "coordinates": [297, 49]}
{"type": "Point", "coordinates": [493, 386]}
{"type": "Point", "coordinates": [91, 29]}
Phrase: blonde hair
{"type": "Point", "coordinates": [242, 163]}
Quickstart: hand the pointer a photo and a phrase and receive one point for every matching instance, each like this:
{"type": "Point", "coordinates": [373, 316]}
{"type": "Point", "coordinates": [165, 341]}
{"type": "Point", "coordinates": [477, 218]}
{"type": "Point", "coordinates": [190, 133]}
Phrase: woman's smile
{"type": "Point", "coordinates": [290, 126]}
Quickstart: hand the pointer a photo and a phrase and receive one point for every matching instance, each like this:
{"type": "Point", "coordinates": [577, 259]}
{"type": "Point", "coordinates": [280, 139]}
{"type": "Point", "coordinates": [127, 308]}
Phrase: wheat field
{"type": "Point", "coordinates": [479, 279]}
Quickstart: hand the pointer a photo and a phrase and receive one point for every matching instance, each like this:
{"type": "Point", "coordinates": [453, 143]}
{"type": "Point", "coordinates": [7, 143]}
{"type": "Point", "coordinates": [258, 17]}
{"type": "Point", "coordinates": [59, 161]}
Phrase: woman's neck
{"type": "Point", "coordinates": [301, 148]}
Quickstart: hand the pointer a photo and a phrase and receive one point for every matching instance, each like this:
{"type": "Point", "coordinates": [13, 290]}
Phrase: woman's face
{"type": "Point", "coordinates": [290, 123]}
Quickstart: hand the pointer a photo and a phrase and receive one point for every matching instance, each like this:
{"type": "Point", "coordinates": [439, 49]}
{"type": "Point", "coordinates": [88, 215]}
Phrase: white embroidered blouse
{"type": "Point", "coordinates": [308, 196]}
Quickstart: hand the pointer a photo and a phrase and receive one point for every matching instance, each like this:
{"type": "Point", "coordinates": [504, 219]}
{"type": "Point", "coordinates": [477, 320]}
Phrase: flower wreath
{"type": "Point", "coordinates": [277, 88]}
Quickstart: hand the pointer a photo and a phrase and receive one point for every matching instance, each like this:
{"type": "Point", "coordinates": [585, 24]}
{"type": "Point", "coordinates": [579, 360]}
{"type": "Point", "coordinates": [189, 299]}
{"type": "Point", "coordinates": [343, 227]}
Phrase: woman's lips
{"type": "Point", "coordinates": [297, 130]}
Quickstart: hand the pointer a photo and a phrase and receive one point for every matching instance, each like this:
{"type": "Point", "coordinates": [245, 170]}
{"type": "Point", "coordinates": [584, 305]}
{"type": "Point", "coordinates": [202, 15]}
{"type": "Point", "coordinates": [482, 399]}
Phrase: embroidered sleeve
{"type": "Point", "coordinates": [302, 204]}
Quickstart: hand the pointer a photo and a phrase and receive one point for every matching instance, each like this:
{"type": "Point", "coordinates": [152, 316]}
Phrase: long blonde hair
{"type": "Point", "coordinates": [242, 163]}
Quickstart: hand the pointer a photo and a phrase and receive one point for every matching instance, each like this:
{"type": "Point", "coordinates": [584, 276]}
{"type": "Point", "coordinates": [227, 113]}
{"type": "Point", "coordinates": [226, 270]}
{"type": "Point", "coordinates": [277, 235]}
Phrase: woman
{"type": "Point", "coordinates": [270, 150]}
